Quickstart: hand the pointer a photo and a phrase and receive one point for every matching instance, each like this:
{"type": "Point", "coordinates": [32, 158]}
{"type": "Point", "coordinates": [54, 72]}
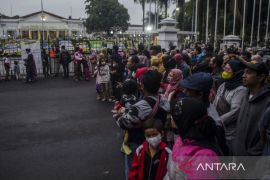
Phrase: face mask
{"type": "Point", "coordinates": [154, 141]}
{"type": "Point", "coordinates": [103, 63]}
{"type": "Point", "coordinates": [226, 75]}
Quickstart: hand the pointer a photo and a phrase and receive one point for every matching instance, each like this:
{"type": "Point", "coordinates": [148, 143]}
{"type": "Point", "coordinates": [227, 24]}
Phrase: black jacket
{"type": "Point", "coordinates": [248, 141]}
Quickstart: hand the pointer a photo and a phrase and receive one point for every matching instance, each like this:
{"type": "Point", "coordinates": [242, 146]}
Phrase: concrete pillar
{"type": "Point", "coordinates": [30, 34]}
{"type": "Point", "coordinates": [39, 35]}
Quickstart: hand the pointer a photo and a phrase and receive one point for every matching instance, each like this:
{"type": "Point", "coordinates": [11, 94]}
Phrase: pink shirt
{"type": "Point", "coordinates": [191, 159]}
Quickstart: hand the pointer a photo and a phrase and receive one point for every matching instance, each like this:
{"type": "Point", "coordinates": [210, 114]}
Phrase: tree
{"type": "Point", "coordinates": [142, 2]}
{"type": "Point", "coordinates": [181, 14]}
{"type": "Point", "coordinates": [152, 18]}
{"type": "Point", "coordinates": [165, 4]}
{"type": "Point", "coordinates": [106, 16]}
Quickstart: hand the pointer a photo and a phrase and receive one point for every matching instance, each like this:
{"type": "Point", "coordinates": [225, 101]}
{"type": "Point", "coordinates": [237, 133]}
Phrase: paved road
{"type": "Point", "coordinates": [56, 130]}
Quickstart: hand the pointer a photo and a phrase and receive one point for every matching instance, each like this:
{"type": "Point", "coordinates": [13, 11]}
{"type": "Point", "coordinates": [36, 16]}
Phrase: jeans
{"type": "Point", "coordinates": [56, 66]}
{"type": "Point", "coordinates": [105, 90]}
{"type": "Point", "coordinates": [66, 69]}
{"type": "Point", "coordinates": [128, 158]}
{"type": "Point", "coordinates": [77, 70]}
{"type": "Point", "coordinates": [46, 69]}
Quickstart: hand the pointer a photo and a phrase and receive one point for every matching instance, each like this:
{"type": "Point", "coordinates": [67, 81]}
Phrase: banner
{"type": "Point", "coordinates": [36, 51]}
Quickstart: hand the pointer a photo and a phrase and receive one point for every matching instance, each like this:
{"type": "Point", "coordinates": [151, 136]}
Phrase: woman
{"type": "Point", "coordinates": [174, 77]}
{"type": "Point", "coordinates": [229, 98]}
{"type": "Point", "coordinates": [196, 142]}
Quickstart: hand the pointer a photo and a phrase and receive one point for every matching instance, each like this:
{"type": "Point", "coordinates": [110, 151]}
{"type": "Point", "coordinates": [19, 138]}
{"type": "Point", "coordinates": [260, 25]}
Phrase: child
{"type": "Point", "coordinates": [103, 79]}
{"type": "Point", "coordinates": [86, 72]}
{"type": "Point", "coordinates": [7, 66]}
{"type": "Point", "coordinates": [16, 70]}
{"type": "Point", "coordinates": [128, 98]}
{"type": "Point", "coordinates": [151, 158]}
{"type": "Point", "coordinates": [197, 141]}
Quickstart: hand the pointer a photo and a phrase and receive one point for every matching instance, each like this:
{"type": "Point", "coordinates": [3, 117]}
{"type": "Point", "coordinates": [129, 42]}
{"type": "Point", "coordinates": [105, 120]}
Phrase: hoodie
{"type": "Point", "coordinates": [134, 117]}
{"type": "Point", "coordinates": [144, 167]}
{"type": "Point", "coordinates": [138, 113]}
{"type": "Point", "coordinates": [248, 141]}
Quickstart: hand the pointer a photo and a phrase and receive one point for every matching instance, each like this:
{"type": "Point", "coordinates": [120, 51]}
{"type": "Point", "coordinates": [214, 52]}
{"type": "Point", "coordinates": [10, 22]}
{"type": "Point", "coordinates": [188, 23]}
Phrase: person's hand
{"type": "Point", "coordinates": [119, 85]}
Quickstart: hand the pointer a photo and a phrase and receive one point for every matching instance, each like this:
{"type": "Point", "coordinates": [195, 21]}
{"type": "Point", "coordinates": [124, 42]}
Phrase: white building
{"type": "Point", "coordinates": [31, 26]}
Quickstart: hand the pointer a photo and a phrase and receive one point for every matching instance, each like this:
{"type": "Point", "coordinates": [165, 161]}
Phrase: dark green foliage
{"type": "Point", "coordinates": [106, 15]}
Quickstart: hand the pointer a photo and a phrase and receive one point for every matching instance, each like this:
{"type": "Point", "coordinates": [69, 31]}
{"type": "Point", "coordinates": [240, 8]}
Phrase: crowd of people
{"type": "Point", "coordinates": [178, 105]}
{"type": "Point", "coordinates": [52, 61]}
{"type": "Point", "coordinates": [193, 104]}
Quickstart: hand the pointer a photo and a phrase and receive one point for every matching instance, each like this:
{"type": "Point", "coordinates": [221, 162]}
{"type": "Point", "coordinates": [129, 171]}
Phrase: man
{"type": "Point", "coordinates": [182, 65]}
{"type": "Point", "coordinates": [45, 63]}
{"type": "Point", "coordinates": [229, 53]}
{"type": "Point", "coordinates": [132, 63]}
{"type": "Point", "coordinates": [52, 59]}
{"type": "Point", "coordinates": [248, 142]}
{"type": "Point", "coordinates": [30, 66]}
{"type": "Point", "coordinates": [199, 55]}
{"type": "Point", "coordinates": [57, 62]}
{"type": "Point", "coordinates": [65, 60]}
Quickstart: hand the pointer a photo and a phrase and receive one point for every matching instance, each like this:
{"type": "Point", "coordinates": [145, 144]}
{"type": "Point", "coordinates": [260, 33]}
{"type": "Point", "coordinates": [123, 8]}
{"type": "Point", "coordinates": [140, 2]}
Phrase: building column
{"type": "Point", "coordinates": [30, 34]}
{"type": "Point", "coordinates": [57, 34]}
{"type": "Point", "coordinates": [39, 35]}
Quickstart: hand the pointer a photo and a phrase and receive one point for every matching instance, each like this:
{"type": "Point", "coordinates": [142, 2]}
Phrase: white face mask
{"type": "Point", "coordinates": [103, 63]}
{"type": "Point", "coordinates": [154, 141]}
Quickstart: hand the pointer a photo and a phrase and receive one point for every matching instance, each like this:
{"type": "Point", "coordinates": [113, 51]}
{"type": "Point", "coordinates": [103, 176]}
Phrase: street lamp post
{"type": "Point", "coordinates": [252, 26]}
{"type": "Point", "coordinates": [267, 23]}
{"type": "Point", "coordinates": [207, 17]}
{"type": "Point", "coordinates": [234, 17]}
{"type": "Point", "coordinates": [149, 29]}
{"type": "Point", "coordinates": [259, 24]}
{"type": "Point", "coordinates": [42, 21]}
{"type": "Point", "coordinates": [244, 19]}
{"type": "Point", "coordinates": [196, 19]}
{"type": "Point", "coordinates": [216, 25]}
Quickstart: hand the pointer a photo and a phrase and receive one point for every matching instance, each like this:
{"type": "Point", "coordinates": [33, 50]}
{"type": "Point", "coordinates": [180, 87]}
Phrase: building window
{"type": "Point", "coordinates": [25, 34]}
{"type": "Point", "coordinates": [61, 34]}
{"type": "Point", "coordinates": [34, 35]}
{"type": "Point", "coordinates": [11, 34]}
{"type": "Point", "coordinates": [52, 34]}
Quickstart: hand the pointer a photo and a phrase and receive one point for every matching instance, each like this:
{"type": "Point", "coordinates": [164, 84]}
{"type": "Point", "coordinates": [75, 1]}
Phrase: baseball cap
{"type": "Point", "coordinates": [259, 67]}
{"type": "Point", "coordinates": [200, 81]}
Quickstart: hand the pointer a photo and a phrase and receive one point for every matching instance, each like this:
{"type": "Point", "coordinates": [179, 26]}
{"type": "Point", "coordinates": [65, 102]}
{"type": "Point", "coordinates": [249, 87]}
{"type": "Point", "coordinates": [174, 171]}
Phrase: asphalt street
{"type": "Point", "coordinates": [57, 130]}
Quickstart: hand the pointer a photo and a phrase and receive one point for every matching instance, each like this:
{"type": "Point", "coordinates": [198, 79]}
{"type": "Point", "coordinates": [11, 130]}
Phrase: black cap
{"type": "Point", "coordinates": [27, 49]}
{"type": "Point", "coordinates": [259, 67]}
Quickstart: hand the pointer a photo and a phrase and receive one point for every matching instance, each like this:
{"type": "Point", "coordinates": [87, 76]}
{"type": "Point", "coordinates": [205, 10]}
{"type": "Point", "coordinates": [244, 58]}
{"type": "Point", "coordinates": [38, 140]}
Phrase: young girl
{"type": "Point", "coordinates": [16, 70]}
{"type": "Point", "coordinates": [103, 78]}
{"type": "Point", "coordinates": [196, 142]}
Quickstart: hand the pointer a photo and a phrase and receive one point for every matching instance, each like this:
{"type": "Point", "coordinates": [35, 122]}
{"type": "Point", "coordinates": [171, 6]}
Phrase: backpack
{"type": "Point", "coordinates": [150, 118]}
